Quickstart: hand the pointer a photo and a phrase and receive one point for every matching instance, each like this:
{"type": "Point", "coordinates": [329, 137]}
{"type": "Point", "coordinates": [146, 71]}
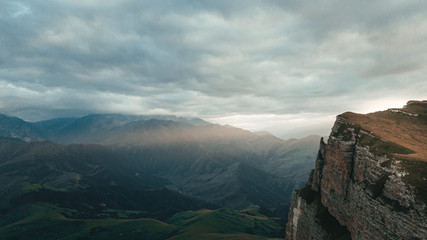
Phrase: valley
{"type": "Point", "coordinates": [107, 174]}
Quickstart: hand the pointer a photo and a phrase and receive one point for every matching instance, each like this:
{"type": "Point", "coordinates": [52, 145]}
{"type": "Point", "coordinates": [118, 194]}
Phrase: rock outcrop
{"type": "Point", "coordinates": [369, 181]}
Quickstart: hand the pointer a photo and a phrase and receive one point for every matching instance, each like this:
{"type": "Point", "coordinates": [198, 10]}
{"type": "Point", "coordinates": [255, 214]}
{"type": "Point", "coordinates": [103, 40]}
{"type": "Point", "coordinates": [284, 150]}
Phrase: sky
{"type": "Point", "coordinates": [288, 67]}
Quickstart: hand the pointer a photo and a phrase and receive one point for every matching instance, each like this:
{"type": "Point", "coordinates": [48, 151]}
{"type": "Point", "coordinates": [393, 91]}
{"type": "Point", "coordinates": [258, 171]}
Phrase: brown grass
{"type": "Point", "coordinates": [405, 130]}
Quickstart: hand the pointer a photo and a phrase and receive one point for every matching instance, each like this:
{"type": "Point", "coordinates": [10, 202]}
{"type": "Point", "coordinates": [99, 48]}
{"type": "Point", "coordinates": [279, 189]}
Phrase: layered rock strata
{"type": "Point", "coordinates": [365, 186]}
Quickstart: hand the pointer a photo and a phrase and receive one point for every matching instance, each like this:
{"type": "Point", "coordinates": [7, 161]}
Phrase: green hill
{"type": "Point", "coordinates": [225, 224]}
{"type": "Point", "coordinates": [45, 221]}
{"type": "Point", "coordinates": [42, 220]}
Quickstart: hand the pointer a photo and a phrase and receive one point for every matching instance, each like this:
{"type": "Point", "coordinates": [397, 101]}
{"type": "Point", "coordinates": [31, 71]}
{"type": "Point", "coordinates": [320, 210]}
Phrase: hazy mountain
{"type": "Point", "coordinates": [73, 166]}
{"type": "Point", "coordinates": [195, 158]}
{"type": "Point", "coordinates": [88, 128]}
{"type": "Point", "coordinates": [133, 167]}
{"type": "Point", "coordinates": [240, 185]}
{"type": "Point", "coordinates": [13, 127]}
{"type": "Point", "coordinates": [212, 142]}
{"type": "Point", "coordinates": [140, 136]}
{"type": "Point", "coordinates": [82, 177]}
{"type": "Point", "coordinates": [187, 155]}
{"type": "Point", "coordinates": [294, 159]}
{"type": "Point", "coordinates": [65, 128]}
{"type": "Point", "coordinates": [53, 191]}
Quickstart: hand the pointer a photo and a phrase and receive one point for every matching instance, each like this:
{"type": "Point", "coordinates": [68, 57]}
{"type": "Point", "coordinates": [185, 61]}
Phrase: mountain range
{"type": "Point", "coordinates": [133, 167]}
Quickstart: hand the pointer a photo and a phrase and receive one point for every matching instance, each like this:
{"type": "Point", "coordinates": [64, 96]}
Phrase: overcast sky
{"type": "Point", "coordinates": [284, 66]}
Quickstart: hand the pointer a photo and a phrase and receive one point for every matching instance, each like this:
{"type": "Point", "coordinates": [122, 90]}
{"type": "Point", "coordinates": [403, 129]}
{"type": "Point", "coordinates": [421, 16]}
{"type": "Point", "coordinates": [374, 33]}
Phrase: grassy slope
{"type": "Point", "coordinates": [225, 224]}
{"type": "Point", "coordinates": [403, 135]}
{"type": "Point", "coordinates": [399, 136]}
{"type": "Point", "coordinates": [40, 220]}
{"type": "Point", "coordinates": [45, 221]}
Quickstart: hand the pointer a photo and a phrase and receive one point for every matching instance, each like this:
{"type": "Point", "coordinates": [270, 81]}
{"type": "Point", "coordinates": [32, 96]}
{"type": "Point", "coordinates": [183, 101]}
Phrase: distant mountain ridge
{"type": "Point", "coordinates": [117, 130]}
{"type": "Point", "coordinates": [193, 156]}
{"type": "Point", "coordinates": [74, 166]}
{"type": "Point", "coordinates": [112, 166]}
{"type": "Point", "coordinates": [15, 127]}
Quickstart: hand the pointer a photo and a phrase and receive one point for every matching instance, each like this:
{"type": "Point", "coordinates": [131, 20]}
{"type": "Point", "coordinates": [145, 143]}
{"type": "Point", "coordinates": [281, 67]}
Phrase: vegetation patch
{"type": "Point", "coordinates": [216, 236]}
{"type": "Point", "coordinates": [255, 210]}
{"type": "Point", "coordinates": [346, 131]}
{"type": "Point", "coordinates": [417, 177]}
{"type": "Point", "coordinates": [404, 118]}
{"type": "Point", "coordinates": [380, 147]}
{"type": "Point", "coordinates": [32, 211]}
{"type": "Point", "coordinates": [223, 222]}
{"type": "Point", "coordinates": [12, 194]}
{"type": "Point", "coordinates": [46, 223]}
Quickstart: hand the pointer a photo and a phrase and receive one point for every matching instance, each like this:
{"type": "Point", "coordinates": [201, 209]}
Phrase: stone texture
{"type": "Point", "coordinates": [309, 227]}
{"type": "Point", "coordinates": [364, 192]}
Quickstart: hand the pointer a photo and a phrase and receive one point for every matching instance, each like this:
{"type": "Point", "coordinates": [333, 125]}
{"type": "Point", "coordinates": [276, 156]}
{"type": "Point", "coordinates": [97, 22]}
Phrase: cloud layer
{"type": "Point", "coordinates": [259, 60]}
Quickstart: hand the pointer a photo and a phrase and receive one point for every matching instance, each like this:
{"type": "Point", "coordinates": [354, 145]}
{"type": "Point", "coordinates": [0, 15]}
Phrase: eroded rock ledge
{"type": "Point", "coordinates": [362, 187]}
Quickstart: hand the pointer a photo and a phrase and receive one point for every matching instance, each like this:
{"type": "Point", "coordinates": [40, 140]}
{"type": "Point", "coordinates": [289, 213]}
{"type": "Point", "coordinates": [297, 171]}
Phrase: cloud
{"type": "Point", "coordinates": [211, 59]}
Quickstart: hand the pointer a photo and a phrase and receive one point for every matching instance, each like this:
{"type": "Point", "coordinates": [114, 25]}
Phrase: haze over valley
{"type": "Point", "coordinates": [237, 119]}
{"type": "Point", "coordinates": [282, 66]}
{"type": "Point", "coordinates": [132, 167]}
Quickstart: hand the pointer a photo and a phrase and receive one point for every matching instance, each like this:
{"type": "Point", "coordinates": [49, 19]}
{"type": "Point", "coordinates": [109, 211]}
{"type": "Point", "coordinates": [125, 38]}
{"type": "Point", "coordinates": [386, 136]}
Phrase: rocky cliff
{"type": "Point", "coordinates": [369, 181]}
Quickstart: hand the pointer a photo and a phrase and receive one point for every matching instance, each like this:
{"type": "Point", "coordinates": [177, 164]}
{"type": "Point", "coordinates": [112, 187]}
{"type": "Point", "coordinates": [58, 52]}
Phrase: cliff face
{"type": "Point", "coordinates": [369, 181]}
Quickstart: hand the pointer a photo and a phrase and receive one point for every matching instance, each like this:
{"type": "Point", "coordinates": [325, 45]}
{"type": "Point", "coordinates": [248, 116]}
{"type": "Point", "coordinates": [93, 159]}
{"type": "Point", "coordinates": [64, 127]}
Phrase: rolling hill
{"type": "Point", "coordinates": [131, 177]}
{"type": "Point", "coordinates": [192, 155]}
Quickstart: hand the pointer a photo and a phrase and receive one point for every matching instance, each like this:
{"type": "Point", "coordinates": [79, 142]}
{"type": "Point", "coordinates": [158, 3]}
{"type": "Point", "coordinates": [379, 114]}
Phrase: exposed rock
{"type": "Point", "coordinates": [363, 185]}
{"type": "Point", "coordinates": [310, 227]}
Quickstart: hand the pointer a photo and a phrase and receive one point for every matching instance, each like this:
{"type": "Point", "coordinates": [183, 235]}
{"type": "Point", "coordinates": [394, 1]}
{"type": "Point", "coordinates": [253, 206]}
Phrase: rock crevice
{"type": "Point", "coordinates": [360, 189]}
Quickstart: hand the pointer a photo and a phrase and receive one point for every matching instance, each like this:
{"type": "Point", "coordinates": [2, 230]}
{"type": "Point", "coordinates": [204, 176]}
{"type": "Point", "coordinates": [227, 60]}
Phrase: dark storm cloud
{"type": "Point", "coordinates": [209, 58]}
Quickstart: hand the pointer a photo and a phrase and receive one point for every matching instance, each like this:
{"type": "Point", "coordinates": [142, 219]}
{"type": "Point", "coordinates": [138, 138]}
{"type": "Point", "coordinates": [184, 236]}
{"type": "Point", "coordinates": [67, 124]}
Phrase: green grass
{"type": "Point", "coordinates": [254, 210]}
{"type": "Point", "coordinates": [45, 221]}
{"type": "Point", "coordinates": [216, 236]}
{"type": "Point", "coordinates": [376, 145]}
{"type": "Point", "coordinates": [403, 118]}
{"type": "Point", "coordinates": [16, 191]}
{"type": "Point", "coordinates": [40, 220]}
{"type": "Point", "coordinates": [33, 219]}
{"type": "Point", "coordinates": [21, 189]}
{"type": "Point", "coordinates": [380, 147]}
{"type": "Point", "coordinates": [218, 224]}
{"type": "Point", "coordinates": [417, 177]}
{"type": "Point", "coordinates": [345, 133]}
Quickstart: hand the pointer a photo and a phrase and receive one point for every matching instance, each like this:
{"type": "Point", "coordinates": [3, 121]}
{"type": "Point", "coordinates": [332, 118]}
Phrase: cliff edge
{"type": "Point", "coordinates": [369, 181]}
